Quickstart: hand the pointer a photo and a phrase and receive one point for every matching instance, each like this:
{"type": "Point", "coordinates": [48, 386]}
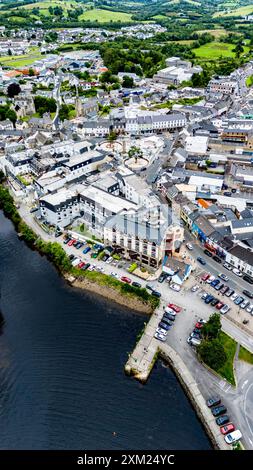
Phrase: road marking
{"type": "Point", "coordinates": [250, 441]}
{"type": "Point", "coordinates": [244, 408]}
{"type": "Point", "coordinates": [244, 383]}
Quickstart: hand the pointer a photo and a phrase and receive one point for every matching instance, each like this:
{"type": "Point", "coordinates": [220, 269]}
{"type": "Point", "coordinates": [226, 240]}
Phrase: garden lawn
{"type": "Point", "coordinates": [214, 50]}
{"type": "Point", "coordinates": [227, 371]}
{"type": "Point", "coordinates": [245, 355]}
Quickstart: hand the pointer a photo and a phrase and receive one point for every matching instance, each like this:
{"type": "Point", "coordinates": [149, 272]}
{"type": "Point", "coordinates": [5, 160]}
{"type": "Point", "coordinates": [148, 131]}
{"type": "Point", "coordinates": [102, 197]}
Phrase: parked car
{"type": "Point", "coordinates": [234, 296]}
{"type": "Point", "coordinates": [162, 277]}
{"type": "Point", "coordinates": [204, 295]}
{"type": "Point", "coordinates": [224, 309]}
{"type": "Point", "coordinates": [169, 311]}
{"type": "Point", "coordinates": [66, 240]}
{"type": "Point", "coordinates": [168, 322]}
{"type": "Point", "coordinates": [86, 266]}
{"type": "Point", "coordinates": [71, 257]}
{"type": "Point", "coordinates": [208, 253]}
{"type": "Point", "coordinates": [136, 284]}
{"type": "Point", "coordinates": [229, 292]}
{"type": "Point", "coordinates": [175, 287]}
{"type": "Point", "coordinates": [219, 286]}
{"type": "Point", "coordinates": [189, 246]}
{"type": "Point", "coordinates": [149, 287]}
{"type": "Point", "coordinates": [155, 293]}
{"type": "Point", "coordinates": [71, 242]}
{"type": "Point", "coordinates": [248, 294]}
{"type": "Point", "coordinates": [161, 331]}
{"type": "Point", "coordinates": [233, 437]}
{"type": "Point", "coordinates": [170, 317]}
{"type": "Point", "coordinates": [194, 341]}
{"type": "Point", "coordinates": [219, 305]}
{"type": "Point", "coordinates": [81, 264]}
{"type": "Point", "coordinates": [213, 401]}
{"type": "Point", "coordinates": [201, 260]}
{"type": "Point", "coordinates": [195, 288]}
{"type": "Point", "coordinates": [224, 289]}
{"type": "Point", "coordinates": [109, 260]}
{"type": "Point", "coordinates": [223, 277]}
{"type": "Point", "coordinates": [209, 299]}
{"type": "Point", "coordinates": [244, 304]}
{"type": "Point", "coordinates": [199, 325]}
{"type": "Point", "coordinates": [238, 300]}
{"type": "Point", "coordinates": [217, 259]}
{"type": "Point", "coordinates": [249, 309]}
{"type": "Point", "coordinates": [222, 420]}
{"type": "Point", "coordinates": [215, 282]}
{"type": "Point", "coordinates": [125, 279]}
{"type": "Point", "coordinates": [219, 410]}
{"type": "Point", "coordinates": [237, 272]}
{"type": "Point", "coordinates": [248, 279]}
{"type": "Point", "coordinates": [86, 250]}
{"type": "Point", "coordinates": [175, 307]}
{"type": "Point", "coordinates": [195, 335]}
{"type": "Point", "coordinates": [227, 428]}
{"type": "Point", "coordinates": [113, 274]}
{"type": "Point", "coordinates": [164, 326]}
{"type": "Point", "coordinates": [160, 337]}
{"type": "Point", "coordinates": [205, 277]}
{"type": "Point", "coordinates": [210, 279]}
{"type": "Point", "coordinates": [228, 266]}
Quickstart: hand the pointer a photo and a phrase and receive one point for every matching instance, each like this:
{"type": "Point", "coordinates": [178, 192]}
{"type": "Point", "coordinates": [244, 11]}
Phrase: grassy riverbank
{"type": "Point", "coordinates": [55, 253]}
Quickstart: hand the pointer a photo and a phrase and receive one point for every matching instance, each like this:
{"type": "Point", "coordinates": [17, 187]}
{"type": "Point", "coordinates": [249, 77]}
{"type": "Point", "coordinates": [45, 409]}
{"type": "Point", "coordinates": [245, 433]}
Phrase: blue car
{"type": "Point", "coordinates": [86, 250]}
{"type": "Point", "coordinates": [215, 282]}
{"type": "Point", "coordinates": [164, 326]}
{"type": "Point", "coordinates": [201, 260]}
{"type": "Point", "coordinates": [209, 299]}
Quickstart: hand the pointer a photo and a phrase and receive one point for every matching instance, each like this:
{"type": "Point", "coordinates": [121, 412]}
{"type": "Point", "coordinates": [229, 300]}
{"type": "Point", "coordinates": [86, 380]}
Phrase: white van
{"type": "Point", "coordinates": [233, 436]}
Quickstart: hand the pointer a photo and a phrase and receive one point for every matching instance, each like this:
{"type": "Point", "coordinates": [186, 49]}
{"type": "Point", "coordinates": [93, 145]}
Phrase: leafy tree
{"type": "Point", "coordinates": [31, 72]}
{"type": "Point", "coordinates": [212, 328]}
{"type": "Point", "coordinates": [212, 353]}
{"type": "Point", "coordinates": [128, 82]}
{"type": "Point", "coordinates": [107, 77]}
{"type": "Point", "coordinates": [44, 105]}
{"type": "Point", "coordinates": [135, 152]}
{"type": "Point", "coordinates": [13, 90]}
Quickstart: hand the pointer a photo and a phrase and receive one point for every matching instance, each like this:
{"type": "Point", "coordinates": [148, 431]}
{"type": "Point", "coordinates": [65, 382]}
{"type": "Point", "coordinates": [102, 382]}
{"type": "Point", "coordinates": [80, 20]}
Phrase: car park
{"type": "Point", "coordinates": [86, 250]}
{"type": "Point", "coordinates": [189, 246]}
{"type": "Point", "coordinates": [238, 300]}
{"type": "Point", "coordinates": [244, 304]}
{"type": "Point", "coordinates": [234, 296]}
{"type": "Point", "coordinates": [136, 284]}
{"type": "Point", "coordinates": [166, 320]}
{"type": "Point", "coordinates": [71, 257]}
{"type": "Point", "coordinates": [201, 260]}
{"type": "Point", "coordinates": [170, 317]}
{"type": "Point", "coordinates": [233, 437]}
{"type": "Point", "coordinates": [208, 253]}
{"type": "Point", "coordinates": [175, 307]}
{"type": "Point", "coordinates": [194, 341]}
{"type": "Point", "coordinates": [71, 242]}
{"type": "Point", "coordinates": [227, 428]}
{"type": "Point", "coordinates": [199, 325]}
{"type": "Point", "coordinates": [113, 274]}
{"type": "Point", "coordinates": [66, 240]}
{"type": "Point", "coordinates": [223, 277]}
{"type": "Point", "coordinates": [81, 264]}
{"type": "Point", "coordinates": [109, 260]}
{"type": "Point", "coordinates": [86, 266]}
{"type": "Point", "coordinates": [248, 294]}
{"type": "Point", "coordinates": [205, 277]}
{"type": "Point", "coordinates": [210, 279]}
{"type": "Point", "coordinates": [219, 286]}
{"type": "Point", "coordinates": [213, 401]}
{"type": "Point", "coordinates": [215, 282]}
{"type": "Point", "coordinates": [160, 337]}
{"type": "Point", "coordinates": [219, 410]}
{"type": "Point", "coordinates": [150, 287]}
{"type": "Point", "coordinates": [237, 272]}
{"type": "Point", "coordinates": [175, 287]}
{"type": "Point", "coordinates": [221, 420]}
{"type": "Point", "coordinates": [195, 335]}
{"type": "Point", "coordinates": [217, 259]}
{"type": "Point", "coordinates": [224, 289]}
{"type": "Point", "coordinates": [224, 309]}
{"type": "Point", "coordinates": [229, 292]}
{"type": "Point", "coordinates": [75, 262]}
{"type": "Point", "coordinates": [169, 311]}
{"type": "Point", "coordinates": [204, 295]}
{"type": "Point", "coordinates": [125, 279]}
{"type": "Point", "coordinates": [228, 266]}
{"type": "Point", "coordinates": [195, 288]}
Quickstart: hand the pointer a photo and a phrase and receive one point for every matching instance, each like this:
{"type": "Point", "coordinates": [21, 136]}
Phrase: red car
{"type": "Point", "coordinates": [80, 265]}
{"type": "Point", "coordinates": [205, 277]}
{"type": "Point", "coordinates": [199, 325]}
{"type": "Point", "coordinates": [71, 242]}
{"type": "Point", "coordinates": [227, 428]}
{"type": "Point", "coordinates": [126, 279]}
{"type": "Point", "coordinates": [174, 307]}
{"type": "Point", "coordinates": [219, 305]}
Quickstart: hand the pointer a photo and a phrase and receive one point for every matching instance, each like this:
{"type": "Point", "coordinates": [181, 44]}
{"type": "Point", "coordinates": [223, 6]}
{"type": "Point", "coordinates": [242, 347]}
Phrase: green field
{"type": "Point", "coordinates": [25, 60]}
{"type": "Point", "coordinates": [245, 355]}
{"type": "Point", "coordinates": [48, 3]}
{"type": "Point", "coordinates": [105, 16]}
{"type": "Point", "coordinates": [217, 33]}
{"type": "Point", "coordinates": [246, 10]}
{"type": "Point", "coordinates": [214, 50]}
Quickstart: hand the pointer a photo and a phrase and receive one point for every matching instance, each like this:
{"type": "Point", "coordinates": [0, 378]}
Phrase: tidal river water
{"type": "Point", "coordinates": [62, 356]}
